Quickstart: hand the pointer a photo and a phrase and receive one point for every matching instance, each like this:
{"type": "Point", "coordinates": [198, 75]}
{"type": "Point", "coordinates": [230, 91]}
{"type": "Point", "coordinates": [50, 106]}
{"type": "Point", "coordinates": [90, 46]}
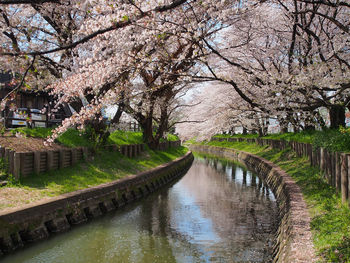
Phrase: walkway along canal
{"type": "Point", "coordinates": [217, 212]}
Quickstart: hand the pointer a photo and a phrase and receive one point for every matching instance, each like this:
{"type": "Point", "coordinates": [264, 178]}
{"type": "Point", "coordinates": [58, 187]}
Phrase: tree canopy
{"type": "Point", "coordinates": [258, 60]}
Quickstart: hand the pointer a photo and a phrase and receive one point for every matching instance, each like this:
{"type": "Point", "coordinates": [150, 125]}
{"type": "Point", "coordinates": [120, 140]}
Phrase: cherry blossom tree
{"type": "Point", "coordinates": [270, 59]}
{"type": "Point", "coordinates": [217, 108]}
{"type": "Point", "coordinates": [90, 59]}
{"type": "Point", "coordinates": [284, 57]}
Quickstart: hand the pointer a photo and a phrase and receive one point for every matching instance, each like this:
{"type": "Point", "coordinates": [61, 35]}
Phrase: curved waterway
{"type": "Point", "coordinates": [217, 212]}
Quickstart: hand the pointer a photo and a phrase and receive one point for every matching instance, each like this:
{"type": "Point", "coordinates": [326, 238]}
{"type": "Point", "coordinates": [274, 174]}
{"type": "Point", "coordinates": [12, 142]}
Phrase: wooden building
{"type": "Point", "coordinates": [27, 99]}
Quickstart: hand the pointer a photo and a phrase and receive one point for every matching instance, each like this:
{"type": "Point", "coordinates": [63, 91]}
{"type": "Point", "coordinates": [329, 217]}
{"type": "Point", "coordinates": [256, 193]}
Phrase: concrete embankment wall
{"type": "Point", "coordinates": [37, 221]}
{"type": "Point", "coordinates": [293, 238]}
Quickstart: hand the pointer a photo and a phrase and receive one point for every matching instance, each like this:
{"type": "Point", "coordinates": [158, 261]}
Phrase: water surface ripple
{"type": "Point", "coordinates": [217, 212]}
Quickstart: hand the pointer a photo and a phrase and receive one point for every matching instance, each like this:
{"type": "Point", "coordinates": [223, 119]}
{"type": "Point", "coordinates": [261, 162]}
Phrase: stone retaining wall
{"type": "Point", "coordinates": [293, 239]}
{"type": "Point", "coordinates": [37, 221]}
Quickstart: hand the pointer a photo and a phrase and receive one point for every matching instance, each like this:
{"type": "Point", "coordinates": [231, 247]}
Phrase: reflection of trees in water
{"type": "Point", "coordinates": [163, 239]}
{"type": "Point", "coordinates": [233, 200]}
{"type": "Point", "coordinates": [240, 209]}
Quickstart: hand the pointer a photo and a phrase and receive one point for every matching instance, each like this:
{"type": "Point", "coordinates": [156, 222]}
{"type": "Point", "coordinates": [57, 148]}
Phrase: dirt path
{"type": "Point", "coordinates": [26, 144]}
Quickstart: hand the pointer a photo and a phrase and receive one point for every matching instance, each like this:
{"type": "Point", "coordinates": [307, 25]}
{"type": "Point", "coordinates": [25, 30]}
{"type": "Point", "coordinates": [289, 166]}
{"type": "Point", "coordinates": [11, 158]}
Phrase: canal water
{"type": "Point", "coordinates": [217, 212]}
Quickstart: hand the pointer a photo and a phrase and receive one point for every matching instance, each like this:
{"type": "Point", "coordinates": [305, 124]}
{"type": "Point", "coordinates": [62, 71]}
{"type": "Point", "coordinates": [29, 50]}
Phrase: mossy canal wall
{"type": "Point", "coordinates": [39, 220]}
{"type": "Point", "coordinates": [293, 238]}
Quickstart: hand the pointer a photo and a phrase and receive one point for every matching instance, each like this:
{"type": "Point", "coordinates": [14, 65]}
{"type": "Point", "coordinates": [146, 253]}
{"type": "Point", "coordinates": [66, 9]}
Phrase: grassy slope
{"type": "Point", "coordinates": [106, 167]}
{"type": "Point", "coordinates": [75, 138]}
{"type": "Point", "coordinates": [333, 140]}
{"type": "Point", "coordinates": [330, 219]}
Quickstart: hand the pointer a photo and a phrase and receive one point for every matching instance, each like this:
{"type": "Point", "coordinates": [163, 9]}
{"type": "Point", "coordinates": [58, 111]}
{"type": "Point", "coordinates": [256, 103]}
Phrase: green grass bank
{"type": "Point", "coordinates": [336, 140]}
{"type": "Point", "coordinates": [85, 138]}
{"type": "Point", "coordinates": [330, 218]}
{"type": "Point", "coordinates": [104, 167]}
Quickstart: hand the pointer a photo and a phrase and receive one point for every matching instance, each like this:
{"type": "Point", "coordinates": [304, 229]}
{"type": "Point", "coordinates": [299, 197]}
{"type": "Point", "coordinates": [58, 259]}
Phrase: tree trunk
{"type": "Point", "coordinates": [244, 132]}
{"type": "Point", "coordinates": [118, 114]}
{"type": "Point", "coordinates": [337, 116]}
{"type": "Point", "coordinates": [266, 126]}
{"type": "Point", "coordinates": [147, 132]}
{"type": "Point", "coordinates": [163, 123]}
{"type": "Point", "coordinates": [283, 125]}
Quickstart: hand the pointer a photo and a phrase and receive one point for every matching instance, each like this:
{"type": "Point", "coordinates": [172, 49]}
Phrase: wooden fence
{"type": "Point", "coordinates": [25, 163]}
{"type": "Point", "coordinates": [165, 145]}
{"type": "Point", "coordinates": [334, 165]}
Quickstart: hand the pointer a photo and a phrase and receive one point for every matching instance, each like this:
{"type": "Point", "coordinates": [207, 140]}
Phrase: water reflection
{"type": "Point", "coordinates": [218, 212]}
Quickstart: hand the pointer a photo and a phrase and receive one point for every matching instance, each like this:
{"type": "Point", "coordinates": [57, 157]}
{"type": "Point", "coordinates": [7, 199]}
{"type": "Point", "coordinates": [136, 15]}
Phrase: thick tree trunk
{"type": "Point", "coordinates": [337, 116]}
{"type": "Point", "coordinates": [163, 123]}
{"type": "Point", "coordinates": [266, 127]}
{"type": "Point", "coordinates": [283, 125]}
{"type": "Point", "coordinates": [118, 114]}
{"type": "Point", "coordinates": [244, 132]}
{"type": "Point", "coordinates": [147, 132]}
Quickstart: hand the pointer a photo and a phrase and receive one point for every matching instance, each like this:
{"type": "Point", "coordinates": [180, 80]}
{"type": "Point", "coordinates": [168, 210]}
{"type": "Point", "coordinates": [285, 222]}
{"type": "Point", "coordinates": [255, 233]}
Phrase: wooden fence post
{"type": "Point", "coordinates": [7, 157]}
{"type": "Point", "coordinates": [74, 156]}
{"type": "Point", "coordinates": [139, 146]}
{"type": "Point", "coordinates": [126, 150]}
{"type": "Point", "coordinates": [85, 153]}
{"type": "Point", "coordinates": [130, 151]}
{"type": "Point", "coordinates": [344, 177]}
{"type": "Point", "coordinates": [37, 162]}
{"type": "Point", "coordinates": [322, 164]}
{"type": "Point", "coordinates": [114, 147]}
{"type": "Point", "coordinates": [309, 152]}
{"type": "Point", "coordinates": [318, 157]}
{"type": "Point", "coordinates": [16, 165]}
{"type": "Point", "coordinates": [328, 164]}
{"type": "Point", "coordinates": [337, 172]}
{"type": "Point", "coordinates": [348, 172]}
{"type": "Point", "coordinates": [22, 157]}
{"type": "Point", "coordinates": [61, 160]}
{"type": "Point", "coordinates": [333, 168]}
{"type": "Point", "coordinates": [2, 152]}
{"type": "Point", "coordinates": [49, 164]}
{"type": "Point", "coordinates": [10, 161]}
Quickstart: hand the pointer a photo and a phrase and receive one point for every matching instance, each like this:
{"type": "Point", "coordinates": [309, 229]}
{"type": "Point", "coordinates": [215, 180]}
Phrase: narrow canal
{"type": "Point", "coordinates": [217, 212]}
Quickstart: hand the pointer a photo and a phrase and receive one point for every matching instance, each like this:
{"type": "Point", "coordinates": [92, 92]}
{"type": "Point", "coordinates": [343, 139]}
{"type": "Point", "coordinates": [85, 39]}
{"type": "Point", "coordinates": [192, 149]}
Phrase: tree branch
{"type": "Point", "coordinates": [115, 26]}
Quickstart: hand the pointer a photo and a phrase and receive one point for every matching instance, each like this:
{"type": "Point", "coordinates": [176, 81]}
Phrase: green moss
{"type": "Point", "coordinates": [330, 218]}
